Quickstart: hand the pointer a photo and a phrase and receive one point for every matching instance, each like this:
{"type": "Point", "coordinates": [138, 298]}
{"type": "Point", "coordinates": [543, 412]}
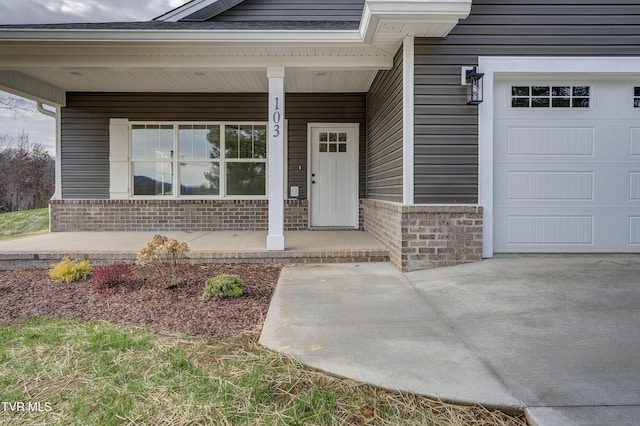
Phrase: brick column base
{"type": "Point", "coordinates": [426, 236]}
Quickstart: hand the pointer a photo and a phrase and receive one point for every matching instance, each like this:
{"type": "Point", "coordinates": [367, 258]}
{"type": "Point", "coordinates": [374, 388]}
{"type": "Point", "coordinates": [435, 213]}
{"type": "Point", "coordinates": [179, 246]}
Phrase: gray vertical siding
{"type": "Point", "coordinates": [384, 134]}
{"type": "Point", "coordinates": [446, 130]}
{"type": "Point", "coordinates": [85, 127]}
{"type": "Point", "coordinates": [294, 10]}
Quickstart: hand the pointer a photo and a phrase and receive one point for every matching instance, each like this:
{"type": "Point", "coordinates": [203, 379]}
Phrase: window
{"type": "Point", "coordinates": [560, 96]}
{"type": "Point", "coordinates": [199, 160]}
{"type": "Point", "coordinates": [636, 97]}
{"type": "Point", "coordinates": [333, 142]}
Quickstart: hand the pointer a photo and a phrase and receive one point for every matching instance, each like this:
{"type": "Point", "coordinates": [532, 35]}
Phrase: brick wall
{"type": "Point", "coordinates": [171, 215]}
{"type": "Point", "coordinates": [427, 236]}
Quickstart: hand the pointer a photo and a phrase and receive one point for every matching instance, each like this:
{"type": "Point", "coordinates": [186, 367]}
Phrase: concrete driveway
{"type": "Point", "coordinates": [557, 336]}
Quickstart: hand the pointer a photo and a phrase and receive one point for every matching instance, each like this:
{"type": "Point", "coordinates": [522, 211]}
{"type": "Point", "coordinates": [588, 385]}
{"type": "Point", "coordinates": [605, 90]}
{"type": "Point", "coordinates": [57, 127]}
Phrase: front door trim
{"type": "Point", "coordinates": [354, 164]}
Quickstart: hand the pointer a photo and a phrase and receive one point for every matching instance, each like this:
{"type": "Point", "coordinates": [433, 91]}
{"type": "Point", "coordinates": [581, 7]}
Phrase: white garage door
{"type": "Point", "coordinates": [567, 166]}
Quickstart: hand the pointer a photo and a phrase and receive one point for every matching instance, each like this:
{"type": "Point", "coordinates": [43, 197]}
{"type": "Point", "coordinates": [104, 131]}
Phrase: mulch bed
{"type": "Point", "coordinates": [150, 302]}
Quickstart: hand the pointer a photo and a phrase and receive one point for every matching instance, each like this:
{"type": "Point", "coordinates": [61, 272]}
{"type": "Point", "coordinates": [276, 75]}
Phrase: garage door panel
{"type": "Point", "coordinates": [634, 142]}
{"type": "Point", "coordinates": [551, 183]}
{"type": "Point", "coordinates": [570, 143]}
{"type": "Point", "coordinates": [545, 231]}
{"type": "Point", "coordinates": [567, 180]}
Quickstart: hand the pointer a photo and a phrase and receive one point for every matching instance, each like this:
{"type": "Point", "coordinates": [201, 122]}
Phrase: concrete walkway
{"type": "Point", "coordinates": [558, 336]}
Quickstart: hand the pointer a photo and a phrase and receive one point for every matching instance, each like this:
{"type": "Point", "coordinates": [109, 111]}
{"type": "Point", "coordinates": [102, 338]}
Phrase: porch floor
{"type": "Point", "coordinates": [206, 247]}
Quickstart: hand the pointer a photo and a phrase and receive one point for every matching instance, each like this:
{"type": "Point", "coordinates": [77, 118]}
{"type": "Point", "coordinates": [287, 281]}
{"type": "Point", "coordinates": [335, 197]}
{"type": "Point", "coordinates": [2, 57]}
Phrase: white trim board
{"type": "Point", "coordinates": [496, 67]}
{"type": "Point", "coordinates": [408, 121]}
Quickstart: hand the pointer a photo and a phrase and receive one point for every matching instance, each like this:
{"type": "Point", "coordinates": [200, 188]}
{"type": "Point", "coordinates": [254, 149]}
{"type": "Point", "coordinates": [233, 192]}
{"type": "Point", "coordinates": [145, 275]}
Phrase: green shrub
{"type": "Point", "coordinates": [67, 270]}
{"type": "Point", "coordinates": [223, 285]}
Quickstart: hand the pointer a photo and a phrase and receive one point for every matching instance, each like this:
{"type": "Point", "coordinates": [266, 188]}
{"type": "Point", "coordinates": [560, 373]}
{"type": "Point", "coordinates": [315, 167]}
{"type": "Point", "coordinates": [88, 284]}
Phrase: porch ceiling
{"type": "Point", "coordinates": [165, 67]}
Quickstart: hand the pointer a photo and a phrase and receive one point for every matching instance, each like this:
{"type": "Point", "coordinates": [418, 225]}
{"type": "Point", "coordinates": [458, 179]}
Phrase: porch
{"type": "Point", "coordinates": [206, 247]}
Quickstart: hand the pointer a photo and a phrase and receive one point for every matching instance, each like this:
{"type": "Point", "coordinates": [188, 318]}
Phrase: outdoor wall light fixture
{"type": "Point", "coordinates": [473, 81]}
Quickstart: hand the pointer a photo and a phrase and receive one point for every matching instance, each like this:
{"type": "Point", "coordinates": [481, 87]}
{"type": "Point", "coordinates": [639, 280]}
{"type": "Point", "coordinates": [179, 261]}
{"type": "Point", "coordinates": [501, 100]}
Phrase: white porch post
{"type": "Point", "coordinates": [275, 238]}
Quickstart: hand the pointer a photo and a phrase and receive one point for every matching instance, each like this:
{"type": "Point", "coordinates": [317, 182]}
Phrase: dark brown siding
{"type": "Point", "coordinates": [446, 131]}
{"type": "Point", "coordinates": [294, 10]}
{"type": "Point", "coordinates": [384, 134]}
{"type": "Point", "coordinates": [85, 127]}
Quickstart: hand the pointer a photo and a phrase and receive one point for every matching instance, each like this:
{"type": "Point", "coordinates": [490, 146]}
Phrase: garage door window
{"type": "Point", "coordinates": [636, 97]}
{"type": "Point", "coordinates": [561, 96]}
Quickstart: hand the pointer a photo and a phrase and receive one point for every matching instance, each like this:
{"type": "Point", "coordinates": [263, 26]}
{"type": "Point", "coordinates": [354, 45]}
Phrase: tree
{"type": "Point", "coordinates": [26, 174]}
{"type": "Point", "coordinates": [14, 103]}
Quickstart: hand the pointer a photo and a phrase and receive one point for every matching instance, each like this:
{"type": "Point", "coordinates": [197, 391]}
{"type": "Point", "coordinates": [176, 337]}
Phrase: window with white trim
{"type": "Point", "coordinates": [199, 160]}
{"type": "Point", "coordinates": [636, 97]}
{"type": "Point", "coordinates": [557, 96]}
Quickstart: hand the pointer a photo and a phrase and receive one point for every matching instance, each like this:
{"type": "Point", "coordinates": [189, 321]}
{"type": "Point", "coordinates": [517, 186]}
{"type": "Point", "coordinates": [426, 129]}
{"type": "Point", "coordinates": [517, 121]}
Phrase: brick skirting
{"type": "Point", "coordinates": [171, 215]}
{"type": "Point", "coordinates": [426, 236]}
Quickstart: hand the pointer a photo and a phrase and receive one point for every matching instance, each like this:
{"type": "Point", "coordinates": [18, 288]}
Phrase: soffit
{"type": "Point", "coordinates": [204, 81]}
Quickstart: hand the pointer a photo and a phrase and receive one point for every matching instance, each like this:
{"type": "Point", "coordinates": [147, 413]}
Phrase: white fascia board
{"type": "Point", "coordinates": [23, 85]}
{"type": "Point", "coordinates": [180, 36]}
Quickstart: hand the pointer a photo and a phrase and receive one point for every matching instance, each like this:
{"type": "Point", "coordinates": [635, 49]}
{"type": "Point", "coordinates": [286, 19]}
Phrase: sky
{"type": "Point", "coordinates": [41, 128]}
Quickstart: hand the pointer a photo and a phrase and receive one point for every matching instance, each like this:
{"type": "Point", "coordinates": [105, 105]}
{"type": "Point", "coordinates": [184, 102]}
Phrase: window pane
{"type": "Point", "coordinates": [152, 141]}
{"type": "Point", "coordinates": [580, 102]}
{"type": "Point", "coordinates": [342, 147]}
{"type": "Point", "coordinates": [342, 137]}
{"type": "Point", "coordinates": [138, 144]}
{"type": "Point", "coordinates": [259, 141]}
{"type": "Point", "coordinates": [520, 91]}
{"type": "Point", "coordinates": [520, 102]}
{"type": "Point", "coordinates": [153, 178]}
{"type": "Point", "coordinates": [199, 179]}
{"type": "Point", "coordinates": [323, 147]}
{"type": "Point", "coordinates": [636, 91]}
{"type": "Point", "coordinates": [561, 103]}
{"type": "Point", "coordinates": [561, 91]}
{"type": "Point", "coordinates": [333, 137]}
{"type": "Point", "coordinates": [581, 91]}
{"type": "Point", "coordinates": [540, 91]}
{"type": "Point", "coordinates": [246, 178]}
{"type": "Point", "coordinates": [199, 141]}
{"type": "Point", "coordinates": [245, 141]}
{"type": "Point", "coordinates": [540, 102]}
{"type": "Point", "coordinates": [245, 134]}
{"type": "Point", "coordinates": [636, 103]}
{"type": "Point", "coordinates": [231, 141]}
{"type": "Point", "coordinates": [323, 137]}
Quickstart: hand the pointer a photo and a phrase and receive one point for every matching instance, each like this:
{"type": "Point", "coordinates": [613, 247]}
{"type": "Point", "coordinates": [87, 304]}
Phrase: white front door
{"type": "Point", "coordinates": [333, 177]}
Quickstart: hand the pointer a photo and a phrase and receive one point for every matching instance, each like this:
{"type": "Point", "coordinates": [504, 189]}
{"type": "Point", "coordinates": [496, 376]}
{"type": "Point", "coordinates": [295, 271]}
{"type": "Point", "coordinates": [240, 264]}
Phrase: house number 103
{"type": "Point", "coordinates": [276, 118]}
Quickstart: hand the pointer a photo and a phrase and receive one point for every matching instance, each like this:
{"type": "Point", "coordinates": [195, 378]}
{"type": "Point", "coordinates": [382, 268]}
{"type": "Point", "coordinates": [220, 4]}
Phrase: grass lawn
{"type": "Point", "coordinates": [97, 373]}
{"type": "Point", "coordinates": [23, 223]}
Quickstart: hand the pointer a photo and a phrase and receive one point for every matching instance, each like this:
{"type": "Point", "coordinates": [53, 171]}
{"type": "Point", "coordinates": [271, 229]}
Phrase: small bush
{"type": "Point", "coordinates": [164, 254]}
{"type": "Point", "coordinates": [111, 276]}
{"type": "Point", "coordinates": [223, 286]}
{"type": "Point", "coordinates": [67, 270]}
